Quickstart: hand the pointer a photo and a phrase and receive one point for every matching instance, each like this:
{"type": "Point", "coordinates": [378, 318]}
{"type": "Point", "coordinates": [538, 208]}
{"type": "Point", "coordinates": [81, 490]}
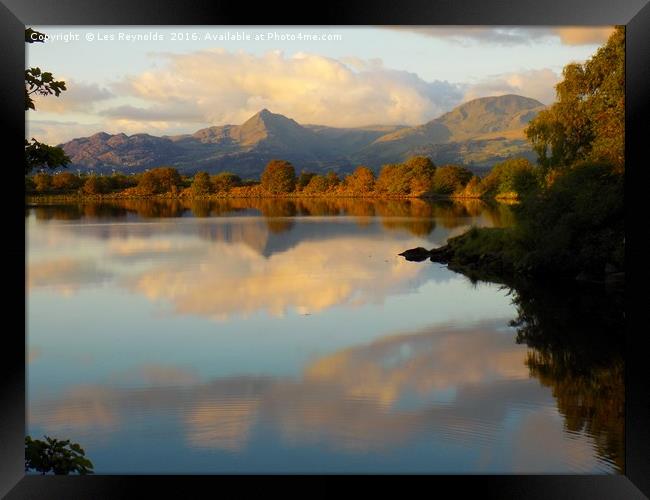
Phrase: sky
{"type": "Point", "coordinates": [175, 80]}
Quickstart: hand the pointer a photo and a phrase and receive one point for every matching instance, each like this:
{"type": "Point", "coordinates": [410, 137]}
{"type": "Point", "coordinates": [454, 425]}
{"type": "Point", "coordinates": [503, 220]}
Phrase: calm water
{"type": "Point", "coordinates": [265, 336]}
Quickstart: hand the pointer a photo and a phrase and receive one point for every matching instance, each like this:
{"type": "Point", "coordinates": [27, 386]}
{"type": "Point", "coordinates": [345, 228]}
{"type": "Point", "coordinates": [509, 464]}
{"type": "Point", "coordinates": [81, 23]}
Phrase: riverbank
{"type": "Point", "coordinates": [80, 198]}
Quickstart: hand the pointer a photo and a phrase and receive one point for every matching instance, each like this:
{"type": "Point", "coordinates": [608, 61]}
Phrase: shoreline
{"type": "Point", "coordinates": [46, 198]}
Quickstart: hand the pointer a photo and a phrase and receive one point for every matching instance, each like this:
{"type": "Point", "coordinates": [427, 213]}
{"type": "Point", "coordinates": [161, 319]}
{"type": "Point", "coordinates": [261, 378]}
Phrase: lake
{"type": "Point", "coordinates": [289, 336]}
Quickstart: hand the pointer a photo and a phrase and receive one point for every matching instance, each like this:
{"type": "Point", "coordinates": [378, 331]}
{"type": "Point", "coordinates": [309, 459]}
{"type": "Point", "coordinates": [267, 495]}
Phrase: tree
{"type": "Point", "coordinates": [514, 175]}
{"type": "Point", "coordinates": [159, 180]}
{"type": "Point", "coordinates": [303, 179]}
{"type": "Point", "coordinates": [361, 181]}
{"type": "Point", "coordinates": [225, 181]}
{"type": "Point", "coordinates": [450, 178]}
{"type": "Point", "coordinates": [66, 181]}
{"type": "Point", "coordinates": [42, 182]}
{"type": "Point", "coordinates": [279, 177]}
{"type": "Point", "coordinates": [37, 154]}
{"type": "Point", "coordinates": [201, 184]}
{"type": "Point", "coordinates": [96, 185]}
{"type": "Point", "coordinates": [420, 171]}
{"type": "Point", "coordinates": [58, 456]}
{"type": "Point", "coordinates": [587, 120]}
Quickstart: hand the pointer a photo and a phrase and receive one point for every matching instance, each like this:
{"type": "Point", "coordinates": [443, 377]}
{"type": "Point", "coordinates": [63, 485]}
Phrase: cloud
{"type": "Point", "coordinates": [154, 113]}
{"type": "Point", "coordinates": [513, 35]}
{"type": "Point", "coordinates": [78, 97]}
{"type": "Point", "coordinates": [229, 87]}
{"type": "Point", "coordinates": [537, 83]}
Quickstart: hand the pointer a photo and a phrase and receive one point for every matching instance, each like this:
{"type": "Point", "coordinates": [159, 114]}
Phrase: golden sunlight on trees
{"type": "Point", "coordinates": [587, 122]}
{"type": "Point", "coordinates": [360, 182]}
{"type": "Point", "coordinates": [279, 177]}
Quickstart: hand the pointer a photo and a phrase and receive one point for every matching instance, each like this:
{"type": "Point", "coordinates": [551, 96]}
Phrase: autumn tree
{"type": "Point", "coordinates": [587, 121]}
{"type": "Point", "coordinates": [449, 179]}
{"type": "Point", "coordinates": [303, 179]}
{"type": "Point", "coordinates": [279, 177]}
{"type": "Point", "coordinates": [37, 154]}
{"type": "Point", "coordinates": [96, 185]}
{"type": "Point", "coordinates": [225, 181]}
{"type": "Point", "coordinates": [361, 181]}
{"type": "Point", "coordinates": [201, 184]}
{"type": "Point", "coordinates": [159, 180]}
{"type": "Point", "coordinates": [420, 171]}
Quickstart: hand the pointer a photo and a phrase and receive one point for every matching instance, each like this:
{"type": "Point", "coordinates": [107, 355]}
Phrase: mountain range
{"type": "Point", "coordinates": [477, 134]}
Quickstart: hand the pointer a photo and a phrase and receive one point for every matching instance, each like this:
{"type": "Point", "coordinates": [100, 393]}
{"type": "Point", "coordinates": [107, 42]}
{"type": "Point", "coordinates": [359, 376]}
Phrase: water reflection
{"type": "Point", "coordinates": [329, 353]}
{"type": "Point", "coordinates": [414, 215]}
{"type": "Point", "coordinates": [460, 390]}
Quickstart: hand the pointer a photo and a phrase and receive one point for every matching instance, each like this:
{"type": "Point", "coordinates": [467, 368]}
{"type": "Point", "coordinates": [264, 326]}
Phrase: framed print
{"type": "Point", "coordinates": [377, 239]}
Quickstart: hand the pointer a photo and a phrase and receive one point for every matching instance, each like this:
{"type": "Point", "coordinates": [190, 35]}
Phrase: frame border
{"type": "Point", "coordinates": [15, 15]}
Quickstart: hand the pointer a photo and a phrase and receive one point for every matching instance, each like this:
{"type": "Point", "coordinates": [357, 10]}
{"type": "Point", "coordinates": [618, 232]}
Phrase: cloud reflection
{"type": "Point", "coordinates": [376, 397]}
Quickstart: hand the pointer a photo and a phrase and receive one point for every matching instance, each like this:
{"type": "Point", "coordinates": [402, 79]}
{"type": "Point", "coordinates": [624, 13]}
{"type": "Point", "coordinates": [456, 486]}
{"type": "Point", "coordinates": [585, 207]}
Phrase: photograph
{"type": "Point", "coordinates": [380, 249]}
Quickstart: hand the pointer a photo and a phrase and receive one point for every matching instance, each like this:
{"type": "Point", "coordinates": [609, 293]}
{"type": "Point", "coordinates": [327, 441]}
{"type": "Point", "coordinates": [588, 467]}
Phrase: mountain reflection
{"type": "Point", "coordinates": [299, 255]}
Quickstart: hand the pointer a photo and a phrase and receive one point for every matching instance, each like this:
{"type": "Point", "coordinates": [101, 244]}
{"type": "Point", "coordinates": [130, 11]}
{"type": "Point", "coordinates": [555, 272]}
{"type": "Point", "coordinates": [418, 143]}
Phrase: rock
{"type": "Point", "coordinates": [416, 254]}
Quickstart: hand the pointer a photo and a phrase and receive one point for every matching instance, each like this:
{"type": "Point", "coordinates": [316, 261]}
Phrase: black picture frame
{"type": "Point", "coordinates": [15, 15]}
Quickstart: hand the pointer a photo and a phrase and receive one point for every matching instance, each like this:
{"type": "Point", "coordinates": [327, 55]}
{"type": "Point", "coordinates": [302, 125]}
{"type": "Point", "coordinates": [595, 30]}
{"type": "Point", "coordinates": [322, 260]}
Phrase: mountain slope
{"type": "Point", "coordinates": [477, 132]}
{"type": "Point", "coordinates": [500, 117]}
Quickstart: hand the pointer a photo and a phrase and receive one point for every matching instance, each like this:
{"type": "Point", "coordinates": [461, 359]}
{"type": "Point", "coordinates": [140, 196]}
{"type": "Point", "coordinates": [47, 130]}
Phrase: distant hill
{"type": "Point", "coordinates": [477, 133]}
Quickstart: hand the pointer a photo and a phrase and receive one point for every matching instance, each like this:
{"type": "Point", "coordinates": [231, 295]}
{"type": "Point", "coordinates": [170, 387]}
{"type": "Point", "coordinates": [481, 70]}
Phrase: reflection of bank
{"type": "Point", "coordinates": [461, 390]}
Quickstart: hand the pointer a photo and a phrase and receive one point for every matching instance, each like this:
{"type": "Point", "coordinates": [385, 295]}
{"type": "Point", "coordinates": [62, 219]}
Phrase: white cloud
{"type": "Point", "coordinates": [78, 96]}
{"type": "Point", "coordinates": [229, 87]}
{"type": "Point", "coordinates": [538, 84]}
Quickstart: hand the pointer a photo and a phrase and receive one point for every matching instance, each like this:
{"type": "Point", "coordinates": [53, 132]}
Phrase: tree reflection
{"type": "Point", "coordinates": [577, 340]}
{"type": "Point", "coordinates": [416, 216]}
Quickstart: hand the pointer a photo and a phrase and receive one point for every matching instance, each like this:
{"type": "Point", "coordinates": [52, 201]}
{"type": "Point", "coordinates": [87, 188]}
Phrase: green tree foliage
{"type": "Point", "coordinates": [37, 154]}
{"type": "Point", "coordinates": [279, 177]}
{"type": "Point", "coordinates": [449, 179]}
{"type": "Point", "coordinates": [587, 120]}
{"type": "Point", "coordinates": [201, 184]}
{"type": "Point", "coordinates": [575, 225]}
{"type": "Point", "coordinates": [361, 181]}
{"type": "Point", "coordinates": [515, 175]}
{"type": "Point", "coordinates": [225, 181]}
{"type": "Point", "coordinates": [60, 457]}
